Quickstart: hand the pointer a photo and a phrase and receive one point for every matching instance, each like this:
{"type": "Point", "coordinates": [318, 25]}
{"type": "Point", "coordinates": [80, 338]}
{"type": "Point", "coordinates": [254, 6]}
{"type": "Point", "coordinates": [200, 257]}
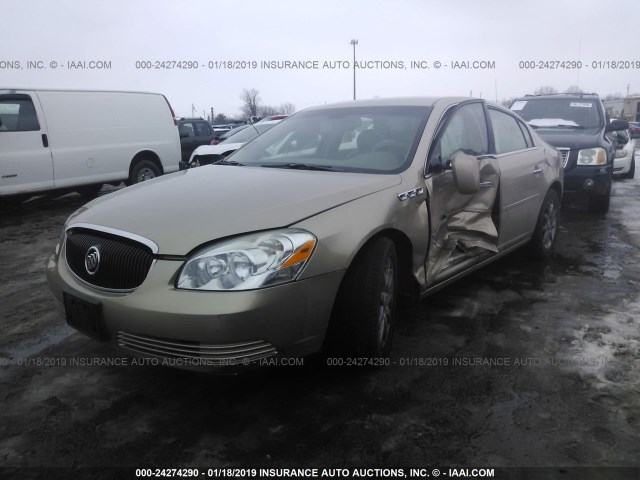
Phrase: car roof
{"type": "Point", "coordinates": [393, 102]}
{"type": "Point", "coordinates": [556, 96]}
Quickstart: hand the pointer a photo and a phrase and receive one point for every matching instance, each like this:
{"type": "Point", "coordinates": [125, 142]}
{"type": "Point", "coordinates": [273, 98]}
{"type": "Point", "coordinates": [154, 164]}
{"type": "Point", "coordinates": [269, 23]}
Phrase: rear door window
{"type": "Point", "coordinates": [507, 133]}
{"type": "Point", "coordinates": [203, 130]}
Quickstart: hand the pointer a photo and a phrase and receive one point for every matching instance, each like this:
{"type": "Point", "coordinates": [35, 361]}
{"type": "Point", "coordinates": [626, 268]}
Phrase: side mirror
{"type": "Point", "coordinates": [616, 125]}
{"type": "Point", "coordinates": [466, 173]}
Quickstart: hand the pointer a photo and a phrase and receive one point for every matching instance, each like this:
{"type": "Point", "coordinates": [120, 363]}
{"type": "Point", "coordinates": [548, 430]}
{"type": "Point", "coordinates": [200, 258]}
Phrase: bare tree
{"type": "Point", "coordinates": [545, 90]}
{"type": "Point", "coordinates": [220, 119]}
{"type": "Point", "coordinates": [506, 102]}
{"type": "Point", "coordinates": [574, 89]}
{"type": "Point", "coordinates": [267, 110]}
{"type": "Point", "coordinates": [250, 100]}
{"type": "Point", "coordinates": [287, 109]}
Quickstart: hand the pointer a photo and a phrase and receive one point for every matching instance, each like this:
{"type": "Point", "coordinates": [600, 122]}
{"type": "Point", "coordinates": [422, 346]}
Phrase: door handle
{"type": "Point", "coordinates": [45, 140]}
{"type": "Point", "coordinates": [486, 184]}
{"type": "Point", "coordinates": [537, 170]}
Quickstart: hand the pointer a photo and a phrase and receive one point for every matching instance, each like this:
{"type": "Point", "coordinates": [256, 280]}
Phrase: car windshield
{"type": "Point", "coordinates": [559, 112]}
{"type": "Point", "coordinates": [352, 139]}
{"type": "Point", "coordinates": [247, 134]}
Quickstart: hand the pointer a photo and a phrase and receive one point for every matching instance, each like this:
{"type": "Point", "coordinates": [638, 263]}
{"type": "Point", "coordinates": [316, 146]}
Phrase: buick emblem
{"type": "Point", "coordinates": [92, 260]}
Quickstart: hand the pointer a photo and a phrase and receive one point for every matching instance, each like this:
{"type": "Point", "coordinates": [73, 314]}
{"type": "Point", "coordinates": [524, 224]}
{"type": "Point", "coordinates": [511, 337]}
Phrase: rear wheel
{"type": "Point", "coordinates": [142, 171]}
{"type": "Point", "coordinates": [544, 235]}
{"type": "Point", "coordinates": [365, 313]}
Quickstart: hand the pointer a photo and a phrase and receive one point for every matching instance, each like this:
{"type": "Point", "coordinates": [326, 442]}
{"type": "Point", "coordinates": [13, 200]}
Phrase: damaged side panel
{"type": "Point", "coordinates": [463, 230]}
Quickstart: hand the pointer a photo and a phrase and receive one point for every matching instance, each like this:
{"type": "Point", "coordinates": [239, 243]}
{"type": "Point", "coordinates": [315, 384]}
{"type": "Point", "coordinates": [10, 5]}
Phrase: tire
{"type": "Point", "coordinates": [632, 169]}
{"type": "Point", "coordinates": [143, 170]}
{"type": "Point", "coordinates": [599, 204]}
{"type": "Point", "coordinates": [365, 313]}
{"type": "Point", "coordinates": [90, 191]}
{"type": "Point", "coordinates": [544, 236]}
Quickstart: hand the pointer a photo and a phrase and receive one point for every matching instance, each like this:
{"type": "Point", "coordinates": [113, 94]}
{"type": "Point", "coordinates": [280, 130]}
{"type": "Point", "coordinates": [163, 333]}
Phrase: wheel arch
{"type": "Point", "coordinates": [146, 155]}
{"type": "Point", "coordinates": [408, 285]}
{"type": "Point", "coordinates": [557, 186]}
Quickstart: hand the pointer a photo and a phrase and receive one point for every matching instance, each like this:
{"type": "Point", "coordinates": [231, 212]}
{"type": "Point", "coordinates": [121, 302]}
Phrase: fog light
{"type": "Point", "coordinates": [588, 184]}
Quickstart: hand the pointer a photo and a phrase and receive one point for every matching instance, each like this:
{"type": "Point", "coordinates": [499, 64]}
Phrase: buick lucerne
{"type": "Point", "coordinates": [305, 239]}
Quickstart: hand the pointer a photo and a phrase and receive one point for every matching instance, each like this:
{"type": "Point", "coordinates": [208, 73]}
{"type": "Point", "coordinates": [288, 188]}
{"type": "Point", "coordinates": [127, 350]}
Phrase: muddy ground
{"type": "Point", "coordinates": [563, 389]}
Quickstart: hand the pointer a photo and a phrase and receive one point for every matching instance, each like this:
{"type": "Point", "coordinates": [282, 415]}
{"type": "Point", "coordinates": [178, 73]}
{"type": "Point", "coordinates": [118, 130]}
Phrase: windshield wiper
{"type": "Point", "coordinates": [304, 166]}
{"type": "Point", "coordinates": [224, 161]}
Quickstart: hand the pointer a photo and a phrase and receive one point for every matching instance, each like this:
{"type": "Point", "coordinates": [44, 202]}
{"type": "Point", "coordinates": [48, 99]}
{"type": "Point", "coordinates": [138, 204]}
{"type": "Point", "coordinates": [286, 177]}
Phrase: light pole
{"type": "Point", "coordinates": [354, 42]}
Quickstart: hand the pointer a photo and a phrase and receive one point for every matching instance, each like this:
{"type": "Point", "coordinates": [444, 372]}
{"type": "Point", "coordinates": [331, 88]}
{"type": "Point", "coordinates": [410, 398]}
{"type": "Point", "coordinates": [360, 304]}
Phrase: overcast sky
{"type": "Point", "coordinates": [505, 32]}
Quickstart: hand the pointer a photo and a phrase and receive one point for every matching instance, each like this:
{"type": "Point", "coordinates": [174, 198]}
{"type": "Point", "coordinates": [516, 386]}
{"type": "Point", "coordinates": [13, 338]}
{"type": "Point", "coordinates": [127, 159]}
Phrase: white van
{"type": "Point", "coordinates": [63, 140]}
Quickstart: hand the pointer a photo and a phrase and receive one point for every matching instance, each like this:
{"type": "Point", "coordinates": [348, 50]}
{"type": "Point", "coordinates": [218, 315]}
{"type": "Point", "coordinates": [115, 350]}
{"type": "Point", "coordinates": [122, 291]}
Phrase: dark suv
{"type": "Point", "coordinates": [578, 126]}
{"type": "Point", "coordinates": [193, 133]}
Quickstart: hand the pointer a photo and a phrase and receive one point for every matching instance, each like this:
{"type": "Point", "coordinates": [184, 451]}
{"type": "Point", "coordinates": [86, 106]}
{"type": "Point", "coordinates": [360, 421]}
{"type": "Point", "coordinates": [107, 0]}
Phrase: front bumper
{"type": "Point", "coordinates": [207, 330]}
{"type": "Point", "coordinates": [583, 180]}
{"type": "Point", "coordinates": [621, 166]}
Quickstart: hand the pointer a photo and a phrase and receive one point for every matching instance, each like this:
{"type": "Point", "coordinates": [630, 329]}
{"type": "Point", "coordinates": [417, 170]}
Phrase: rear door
{"type": "Point", "coordinates": [523, 168]}
{"type": "Point", "coordinates": [26, 164]}
{"type": "Point", "coordinates": [204, 133]}
{"type": "Point", "coordinates": [464, 227]}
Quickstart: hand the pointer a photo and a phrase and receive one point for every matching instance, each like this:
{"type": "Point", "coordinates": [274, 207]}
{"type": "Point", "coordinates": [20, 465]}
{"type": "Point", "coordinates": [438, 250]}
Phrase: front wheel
{"type": "Point", "coordinates": [142, 171]}
{"type": "Point", "coordinates": [632, 169]}
{"type": "Point", "coordinates": [544, 236]}
{"type": "Point", "coordinates": [365, 313]}
{"type": "Point", "coordinates": [599, 203]}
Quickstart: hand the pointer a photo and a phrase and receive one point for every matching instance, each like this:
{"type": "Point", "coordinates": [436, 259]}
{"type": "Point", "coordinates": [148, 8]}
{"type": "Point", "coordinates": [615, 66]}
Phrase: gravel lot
{"type": "Point", "coordinates": [519, 365]}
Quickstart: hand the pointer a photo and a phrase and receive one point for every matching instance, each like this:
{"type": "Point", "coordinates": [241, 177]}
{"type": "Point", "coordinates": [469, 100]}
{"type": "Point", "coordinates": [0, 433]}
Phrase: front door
{"type": "Point", "coordinates": [26, 164]}
{"type": "Point", "coordinates": [464, 227]}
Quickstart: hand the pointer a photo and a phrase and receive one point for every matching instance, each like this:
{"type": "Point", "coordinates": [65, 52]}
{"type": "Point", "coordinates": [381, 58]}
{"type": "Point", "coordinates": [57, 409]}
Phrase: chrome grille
{"type": "Point", "coordinates": [564, 153]}
{"type": "Point", "coordinates": [123, 262]}
{"type": "Point", "coordinates": [195, 352]}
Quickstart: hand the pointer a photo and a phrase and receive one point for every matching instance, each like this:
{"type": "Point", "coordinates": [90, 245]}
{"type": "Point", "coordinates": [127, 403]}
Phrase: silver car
{"type": "Point", "coordinates": [305, 238]}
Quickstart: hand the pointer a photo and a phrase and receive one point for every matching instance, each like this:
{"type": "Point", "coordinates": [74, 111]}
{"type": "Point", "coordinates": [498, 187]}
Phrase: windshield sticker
{"type": "Point", "coordinates": [519, 105]}
{"type": "Point", "coordinates": [552, 122]}
{"type": "Point", "coordinates": [581, 104]}
{"type": "Point", "coordinates": [9, 108]}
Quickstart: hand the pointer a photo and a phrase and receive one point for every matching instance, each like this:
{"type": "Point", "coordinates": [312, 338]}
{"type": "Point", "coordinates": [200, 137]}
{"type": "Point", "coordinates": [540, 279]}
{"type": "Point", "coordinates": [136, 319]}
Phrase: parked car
{"type": "Point", "coordinates": [578, 126]}
{"type": "Point", "coordinates": [207, 154]}
{"type": "Point", "coordinates": [625, 162]}
{"type": "Point", "coordinates": [227, 134]}
{"type": "Point", "coordinates": [65, 140]}
{"type": "Point", "coordinates": [300, 244]}
{"type": "Point", "coordinates": [634, 129]}
{"type": "Point", "coordinates": [193, 133]}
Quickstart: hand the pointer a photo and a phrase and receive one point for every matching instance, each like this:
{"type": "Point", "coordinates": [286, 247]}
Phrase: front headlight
{"type": "Point", "coordinates": [249, 262]}
{"type": "Point", "coordinates": [592, 156]}
{"type": "Point", "coordinates": [621, 153]}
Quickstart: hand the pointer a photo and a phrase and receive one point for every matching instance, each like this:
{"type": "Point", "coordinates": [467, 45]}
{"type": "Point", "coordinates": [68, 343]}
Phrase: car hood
{"type": "Point", "coordinates": [216, 149]}
{"type": "Point", "coordinates": [186, 209]}
{"type": "Point", "coordinates": [570, 138]}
